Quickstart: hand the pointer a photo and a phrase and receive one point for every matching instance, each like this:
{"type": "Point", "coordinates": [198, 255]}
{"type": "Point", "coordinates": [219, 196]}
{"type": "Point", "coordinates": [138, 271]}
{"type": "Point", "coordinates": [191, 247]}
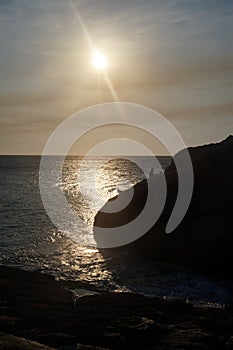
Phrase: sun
{"type": "Point", "coordinates": [99, 60]}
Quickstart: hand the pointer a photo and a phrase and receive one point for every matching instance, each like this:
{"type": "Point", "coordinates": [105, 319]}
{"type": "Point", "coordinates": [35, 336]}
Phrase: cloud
{"type": "Point", "coordinates": [174, 55]}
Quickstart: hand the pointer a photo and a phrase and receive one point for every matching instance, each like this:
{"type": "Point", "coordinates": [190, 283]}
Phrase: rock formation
{"type": "Point", "coordinates": [205, 236]}
{"type": "Point", "coordinates": [38, 314]}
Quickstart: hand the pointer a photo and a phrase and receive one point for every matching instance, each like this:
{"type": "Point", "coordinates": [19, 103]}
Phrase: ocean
{"type": "Point", "coordinates": [29, 240]}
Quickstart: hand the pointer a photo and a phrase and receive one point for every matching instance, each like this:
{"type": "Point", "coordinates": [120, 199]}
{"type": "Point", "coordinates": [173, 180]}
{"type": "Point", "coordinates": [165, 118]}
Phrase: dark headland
{"type": "Point", "coordinates": [38, 312]}
{"type": "Point", "coordinates": [204, 238]}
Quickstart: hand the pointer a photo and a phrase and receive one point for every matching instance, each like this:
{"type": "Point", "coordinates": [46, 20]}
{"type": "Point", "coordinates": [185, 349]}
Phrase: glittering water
{"type": "Point", "coordinates": [29, 240]}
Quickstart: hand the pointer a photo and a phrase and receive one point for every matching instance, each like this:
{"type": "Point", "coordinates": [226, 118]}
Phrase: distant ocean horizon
{"type": "Point", "coordinates": [29, 240]}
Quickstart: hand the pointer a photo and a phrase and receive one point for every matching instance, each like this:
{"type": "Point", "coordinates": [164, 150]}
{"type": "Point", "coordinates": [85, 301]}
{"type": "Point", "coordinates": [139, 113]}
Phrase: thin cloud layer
{"type": "Point", "coordinates": [174, 56]}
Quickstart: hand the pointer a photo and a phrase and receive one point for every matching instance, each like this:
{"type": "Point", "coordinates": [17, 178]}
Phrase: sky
{"type": "Point", "coordinates": [175, 56]}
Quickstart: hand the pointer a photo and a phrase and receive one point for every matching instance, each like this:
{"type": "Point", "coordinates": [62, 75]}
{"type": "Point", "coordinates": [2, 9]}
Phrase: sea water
{"type": "Point", "coordinates": [29, 240]}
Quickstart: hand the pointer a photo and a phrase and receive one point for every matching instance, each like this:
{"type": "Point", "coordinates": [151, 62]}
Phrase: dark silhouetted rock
{"type": "Point", "coordinates": [205, 236]}
{"type": "Point", "coordinates": [103, 321]}
{"type": "Point", "coordinates": [10, 342]}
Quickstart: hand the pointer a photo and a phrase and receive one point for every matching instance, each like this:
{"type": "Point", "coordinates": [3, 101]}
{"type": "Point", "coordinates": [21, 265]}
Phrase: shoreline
{"type": "Point", "coordinates": [197, 287]}
{"type": "Point", "coordinates": [36, 307]}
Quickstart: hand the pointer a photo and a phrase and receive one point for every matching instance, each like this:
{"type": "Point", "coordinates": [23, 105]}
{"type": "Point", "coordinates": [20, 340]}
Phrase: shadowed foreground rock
{"type": "Point", "coordinates": [9, 342]}
{"type": "Point", "coordinates": [37, 308]}
{"type": "Point", "coordinates": [205, 236]}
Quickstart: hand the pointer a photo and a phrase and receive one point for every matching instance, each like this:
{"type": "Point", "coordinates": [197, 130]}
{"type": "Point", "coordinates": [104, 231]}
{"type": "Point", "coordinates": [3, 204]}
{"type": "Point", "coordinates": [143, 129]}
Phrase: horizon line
{"type": "Point", "coordinates": [83, 155]}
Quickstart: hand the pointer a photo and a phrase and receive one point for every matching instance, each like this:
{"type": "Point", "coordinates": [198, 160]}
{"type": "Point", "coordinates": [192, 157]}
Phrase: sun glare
{"type": "Point", "coordinates": [99, 60]}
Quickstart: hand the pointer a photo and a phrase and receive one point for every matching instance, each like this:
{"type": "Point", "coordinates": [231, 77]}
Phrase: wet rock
{"type": "Point", "coordinates": [102, 321]}
{"type": "Point", "coordinates": [10, 342]}
{"type": "Point", "coordinates": [89, 347]}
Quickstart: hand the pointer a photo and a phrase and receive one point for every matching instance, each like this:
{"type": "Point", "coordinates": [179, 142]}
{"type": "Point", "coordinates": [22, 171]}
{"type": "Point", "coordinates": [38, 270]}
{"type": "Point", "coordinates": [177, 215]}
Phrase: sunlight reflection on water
{"type": "Point", "coordinates": [30, 241]}
{"type": "Point", "coordinates": [98, 185]}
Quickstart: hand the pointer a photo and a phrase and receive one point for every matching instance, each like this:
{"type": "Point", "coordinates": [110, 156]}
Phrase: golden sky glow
{"type": "Point", "coordinates": [173, 56]}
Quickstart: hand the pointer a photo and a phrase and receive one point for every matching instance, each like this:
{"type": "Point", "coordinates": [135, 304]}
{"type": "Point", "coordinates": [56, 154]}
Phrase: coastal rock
{"type": "Point", "coordinates": [10, 342]}
{"type": "Point", "coordinates": [204, 238]}
{"type": "Point", "coordinates": [89, 347]}
{"type": "Point", "coordinates": [103, 321]}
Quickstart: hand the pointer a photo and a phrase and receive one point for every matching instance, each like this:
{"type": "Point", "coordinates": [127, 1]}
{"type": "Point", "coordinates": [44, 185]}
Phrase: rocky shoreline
{"type": "Point", "coordinates": [38, 312]}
